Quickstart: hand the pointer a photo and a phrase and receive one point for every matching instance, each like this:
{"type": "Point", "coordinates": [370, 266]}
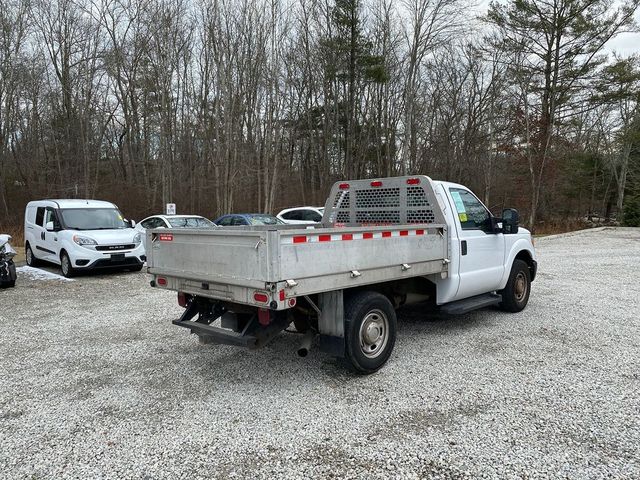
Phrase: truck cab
{"type": "Point", "coordinates": [482, 247]}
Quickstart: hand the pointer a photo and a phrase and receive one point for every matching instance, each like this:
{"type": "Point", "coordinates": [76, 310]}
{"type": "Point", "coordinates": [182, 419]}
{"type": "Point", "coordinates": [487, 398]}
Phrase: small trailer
{"type": "Point", "coordinates": [382, 243]}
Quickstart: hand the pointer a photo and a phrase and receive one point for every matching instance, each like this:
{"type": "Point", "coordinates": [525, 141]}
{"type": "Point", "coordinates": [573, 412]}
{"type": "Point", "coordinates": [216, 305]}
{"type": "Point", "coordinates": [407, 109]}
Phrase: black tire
{"type": "Point", "coordinates": [31, 259]}
{"type": "Point", "coordinates": [66, 266]}
{"type": "Point", "coordinates": [515, 295]}
{"type": "Point", "coordinates": [370, 331]}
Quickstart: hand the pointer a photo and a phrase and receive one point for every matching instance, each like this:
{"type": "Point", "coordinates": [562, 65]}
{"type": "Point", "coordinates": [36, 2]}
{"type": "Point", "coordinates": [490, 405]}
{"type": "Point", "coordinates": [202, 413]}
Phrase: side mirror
{"type": "Point", "coordinates": [510, 220]}
{"type": "Point", "coordinates": [133, 223]}
{"type": "Point", "coordinates": [50, 227]}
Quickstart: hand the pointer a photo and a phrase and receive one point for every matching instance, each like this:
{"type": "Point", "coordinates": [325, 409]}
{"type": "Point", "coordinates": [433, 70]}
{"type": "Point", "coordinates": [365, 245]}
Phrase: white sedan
{"type": "Point", "coordinates": [301, 215]}
{"type": "Point", "coordinates": [174, 221]}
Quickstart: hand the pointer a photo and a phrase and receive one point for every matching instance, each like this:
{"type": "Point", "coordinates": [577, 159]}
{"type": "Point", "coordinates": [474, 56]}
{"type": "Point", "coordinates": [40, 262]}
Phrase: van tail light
{"type": "Point", "coordinates": [377, 183]}
{"type": "Point", "coordinates": [344, 186]}
{"type": "Point", "coordinates": [413, 181]}
{"type": "Point", "coordinates": [161, 281]}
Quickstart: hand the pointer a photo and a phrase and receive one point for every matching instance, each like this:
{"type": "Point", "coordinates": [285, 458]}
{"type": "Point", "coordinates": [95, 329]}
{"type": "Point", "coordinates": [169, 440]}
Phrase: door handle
{"type": "Point", "coordinates": [42, 235]}
{"type": "Point", "coordinates": [463, 247]}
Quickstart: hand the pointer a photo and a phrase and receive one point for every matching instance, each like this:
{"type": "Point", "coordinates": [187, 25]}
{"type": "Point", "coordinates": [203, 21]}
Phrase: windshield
{"type": "Point", "coordinates": [92, 218]}
{"type": "Point", "coordinates": [190, 222]}
{"type": "Point", "coordinates": [265, 220]}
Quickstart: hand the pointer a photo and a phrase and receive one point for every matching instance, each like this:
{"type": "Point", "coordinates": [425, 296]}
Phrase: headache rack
{"type": "Point", "coordinates": [387, 201]}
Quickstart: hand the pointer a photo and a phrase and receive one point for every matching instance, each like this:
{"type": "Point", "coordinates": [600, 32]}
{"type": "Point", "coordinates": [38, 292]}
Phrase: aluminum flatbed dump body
{"type": "Point", "coordinates": [349, 249]}
{"type": "Point", "coordinates": [231, 265]}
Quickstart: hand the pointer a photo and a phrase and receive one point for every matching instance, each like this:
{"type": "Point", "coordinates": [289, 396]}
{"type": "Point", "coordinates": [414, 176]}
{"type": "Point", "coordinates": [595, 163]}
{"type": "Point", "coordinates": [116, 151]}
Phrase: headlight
{"type": "Point", "coordinates": [80, 240]}
{"type": "Point", "coordinates": [137, 238]}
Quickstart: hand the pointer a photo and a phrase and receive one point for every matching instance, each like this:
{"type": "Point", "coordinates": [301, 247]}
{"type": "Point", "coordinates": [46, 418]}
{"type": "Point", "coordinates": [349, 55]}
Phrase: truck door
{"type": "Point", "coordinates": [481, 251]}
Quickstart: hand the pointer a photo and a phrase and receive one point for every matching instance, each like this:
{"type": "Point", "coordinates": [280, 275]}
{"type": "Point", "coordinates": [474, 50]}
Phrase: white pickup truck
{"type": "Point", "coordinates": [382, 244]}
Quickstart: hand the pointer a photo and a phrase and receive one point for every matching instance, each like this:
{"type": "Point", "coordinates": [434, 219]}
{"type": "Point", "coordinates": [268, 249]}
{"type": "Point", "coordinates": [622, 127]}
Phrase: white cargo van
{"type": "Point", "coordinates": [81, 235]}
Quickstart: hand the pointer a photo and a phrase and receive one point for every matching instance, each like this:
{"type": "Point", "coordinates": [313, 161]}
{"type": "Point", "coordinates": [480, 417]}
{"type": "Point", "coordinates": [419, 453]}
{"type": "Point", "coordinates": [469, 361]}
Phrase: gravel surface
{"type": "Point", "coordinates": [96, 382]}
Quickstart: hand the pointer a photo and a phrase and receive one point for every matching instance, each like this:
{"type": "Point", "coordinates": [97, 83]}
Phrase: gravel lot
{"type": "Point", "coordinates": [96, 382]}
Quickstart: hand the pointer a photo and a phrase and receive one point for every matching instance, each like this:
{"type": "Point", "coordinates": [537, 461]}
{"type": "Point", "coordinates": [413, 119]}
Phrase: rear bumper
{"type": "Point", "coordinates": [7, 272]}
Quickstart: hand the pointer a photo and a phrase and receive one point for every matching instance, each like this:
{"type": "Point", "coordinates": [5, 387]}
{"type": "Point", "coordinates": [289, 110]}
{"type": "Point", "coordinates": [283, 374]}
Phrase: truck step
{"type": "Point", "coordinates": [472, 303]}
{"type": "Point", "coordinates": [219, 335]}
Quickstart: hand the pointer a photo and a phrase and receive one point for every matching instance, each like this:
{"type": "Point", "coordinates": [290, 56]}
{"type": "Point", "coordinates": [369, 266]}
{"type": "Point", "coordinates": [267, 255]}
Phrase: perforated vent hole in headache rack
{"type": "Point", "coordinates": [420, 216]}
{"type": "Point", "coordinates": [416, 197]}
{"type": "Point", "coordinates": [379, 197]}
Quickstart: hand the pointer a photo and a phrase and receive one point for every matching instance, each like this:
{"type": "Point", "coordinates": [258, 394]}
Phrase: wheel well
{"type": "Point", "coordinates": [525, 256]}
{"type": "Point", "coordinates": [397, 290]}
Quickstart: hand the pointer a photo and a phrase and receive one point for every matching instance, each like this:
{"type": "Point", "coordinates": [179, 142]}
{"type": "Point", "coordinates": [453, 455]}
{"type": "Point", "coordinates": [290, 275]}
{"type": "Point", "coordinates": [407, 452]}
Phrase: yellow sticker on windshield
{"type": "Point", "coordinates": [462, 217]}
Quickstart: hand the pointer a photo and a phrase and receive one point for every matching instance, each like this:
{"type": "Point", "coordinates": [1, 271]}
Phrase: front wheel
{"type": "Point", "coordinates": [65, 265]}
{"type": "Point", "coordinates": [370, 331]}
{"type": "Point", "coordinates": [515, 295]}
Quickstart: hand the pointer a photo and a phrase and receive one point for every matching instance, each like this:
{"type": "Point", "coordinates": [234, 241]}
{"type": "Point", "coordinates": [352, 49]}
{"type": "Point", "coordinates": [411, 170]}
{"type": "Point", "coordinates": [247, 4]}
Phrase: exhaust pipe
{"type": "Point", "coordinates": [305, 345]}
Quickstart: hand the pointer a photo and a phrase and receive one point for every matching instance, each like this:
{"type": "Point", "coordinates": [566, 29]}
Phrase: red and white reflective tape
{"type": "Point", "coordinates": [341, 237]}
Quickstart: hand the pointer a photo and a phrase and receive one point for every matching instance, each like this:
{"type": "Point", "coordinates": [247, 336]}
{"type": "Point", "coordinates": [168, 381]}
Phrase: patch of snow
{"type": "Point", "coordinates": [39, 274]}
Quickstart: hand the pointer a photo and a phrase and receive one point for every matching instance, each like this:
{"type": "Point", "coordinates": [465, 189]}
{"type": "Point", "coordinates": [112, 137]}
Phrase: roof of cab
{"type": "Point", "coordinates": [72, 203]}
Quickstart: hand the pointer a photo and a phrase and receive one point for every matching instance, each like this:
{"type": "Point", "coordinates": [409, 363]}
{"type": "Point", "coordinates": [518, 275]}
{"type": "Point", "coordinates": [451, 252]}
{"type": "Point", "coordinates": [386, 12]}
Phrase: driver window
{"type": "Point", "coordinates": [50, 216]}
{"type": "Point", "coordinates": [471, 213]}
{"type": "Point", "coordinates": [156, 222]}
{"type": "Point", "coordinates": [293, 215]}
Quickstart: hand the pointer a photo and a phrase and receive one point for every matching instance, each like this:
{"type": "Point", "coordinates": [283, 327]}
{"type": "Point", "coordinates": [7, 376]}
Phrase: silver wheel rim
{"type": "Point", "coordinates": [29, 256]}
{"type": "Point", "coordinates": [374, 333]}
{"type": "Point", "coordinates": [520, 286]}
{"type": "Point", "coordinates": [65, 264]}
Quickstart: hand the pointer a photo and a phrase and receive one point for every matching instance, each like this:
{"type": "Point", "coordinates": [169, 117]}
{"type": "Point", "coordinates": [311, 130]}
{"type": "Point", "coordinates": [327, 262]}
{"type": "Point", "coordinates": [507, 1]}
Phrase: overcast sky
{"type": "Point", "coordinates": [624, 44]}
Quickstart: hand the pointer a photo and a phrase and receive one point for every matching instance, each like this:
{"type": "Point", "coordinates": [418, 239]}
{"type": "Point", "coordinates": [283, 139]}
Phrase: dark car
{"type": "Point", "coordinates": [247, 219]}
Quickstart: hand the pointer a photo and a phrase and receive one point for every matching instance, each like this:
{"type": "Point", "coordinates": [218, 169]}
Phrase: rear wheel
{"type": "Point", "coordinates": [65, 265]}
{"type": "Point", "coordinates": [31, 259]}
{"type": "Point", "coordinates": [515, 295]}
{"type": "Point", "coordinates": [370, 331]}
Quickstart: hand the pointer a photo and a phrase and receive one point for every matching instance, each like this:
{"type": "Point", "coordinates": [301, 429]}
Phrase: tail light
{"type": "Point", "coordinates": [264, 316]}
{"type": "Point", "coordinates": [183, 298]}
{"type": "Point", "coordinates": [161, 281]}
{"type": "Point", "coordinates": [261, 297]}
{"type": "Point", "coordinates": [413, 181]}
{"type": "Point", "coordinates": [377, 183]}
{"type": "Point", "coordinates": [344, 186]}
